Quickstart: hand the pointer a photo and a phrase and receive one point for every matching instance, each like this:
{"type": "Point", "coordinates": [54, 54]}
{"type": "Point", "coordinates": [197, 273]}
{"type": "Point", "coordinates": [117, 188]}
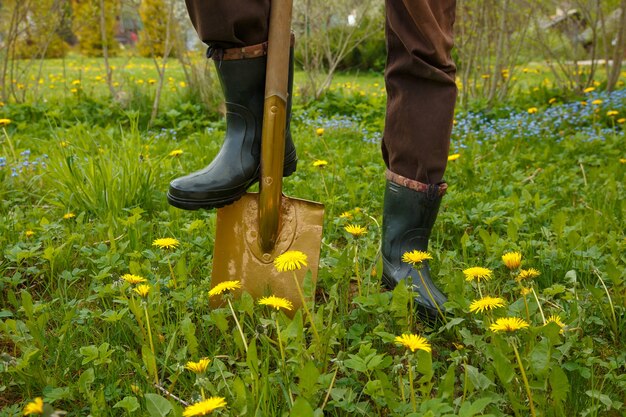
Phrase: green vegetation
{"type": "Point", "coordinates": [83, 184]}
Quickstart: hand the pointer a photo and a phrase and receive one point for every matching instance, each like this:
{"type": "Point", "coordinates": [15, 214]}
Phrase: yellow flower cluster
{"type": "Point", "coordinates": [276, 302]}
{"type": "Point", "coordinates": [413, 342]}
{"type": "Point", "coordinates": [416, 257]}
{"type": "Point", "coordinates": [290, 261]}
{"type": "Point", "coordinates": [166, 243]}
{"type": "Point", "coordinates": [224, 286]}
{"type": "Point", "coordinates": [204, 407]}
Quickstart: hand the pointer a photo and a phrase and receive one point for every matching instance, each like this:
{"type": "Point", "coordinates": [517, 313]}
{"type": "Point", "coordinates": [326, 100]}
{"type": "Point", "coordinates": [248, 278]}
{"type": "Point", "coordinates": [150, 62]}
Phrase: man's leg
{"type": "Point", "coordinates": [236, 32]}
{"type": "Point", "coordinates": [421, 94]}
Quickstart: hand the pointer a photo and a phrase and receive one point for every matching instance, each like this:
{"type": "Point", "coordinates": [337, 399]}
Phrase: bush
{"type": "Point", "coordinates": [86, 26]}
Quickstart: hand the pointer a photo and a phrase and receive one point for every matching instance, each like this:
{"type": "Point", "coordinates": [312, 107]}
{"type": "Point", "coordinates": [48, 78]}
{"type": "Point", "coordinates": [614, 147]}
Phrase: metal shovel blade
{"type": "Point", "coordinates": [238, 255]}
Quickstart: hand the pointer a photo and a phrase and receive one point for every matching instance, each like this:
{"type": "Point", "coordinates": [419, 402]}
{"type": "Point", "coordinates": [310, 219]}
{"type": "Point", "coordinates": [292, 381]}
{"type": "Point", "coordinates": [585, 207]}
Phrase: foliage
{"type": "Point", "coordinates": [86, 24]}
{"type": "Point", "coordinates": [157, 20]}
{"type": "Point", "coordinates": [82, 184]}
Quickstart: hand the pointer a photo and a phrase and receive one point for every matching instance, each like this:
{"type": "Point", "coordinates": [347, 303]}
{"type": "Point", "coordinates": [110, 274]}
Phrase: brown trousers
{"type": "Point", "coordinates": [419, 76]}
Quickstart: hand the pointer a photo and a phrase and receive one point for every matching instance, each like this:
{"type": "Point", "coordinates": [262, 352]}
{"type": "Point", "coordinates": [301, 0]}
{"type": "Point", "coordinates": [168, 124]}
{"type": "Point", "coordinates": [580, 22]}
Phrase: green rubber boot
{"type": "Point", "coordinates": [408, 219]}
{"type": "Point", "coordinates": [237, 165]}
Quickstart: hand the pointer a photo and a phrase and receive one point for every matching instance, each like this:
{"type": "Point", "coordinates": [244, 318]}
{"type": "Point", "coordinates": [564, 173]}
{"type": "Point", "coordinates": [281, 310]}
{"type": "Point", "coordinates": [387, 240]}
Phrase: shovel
{"type": "Point", "coordinates": [254, 230]}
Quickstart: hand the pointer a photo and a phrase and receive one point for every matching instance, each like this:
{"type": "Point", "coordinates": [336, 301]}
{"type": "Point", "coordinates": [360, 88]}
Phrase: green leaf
{"type": "Point", "coordinates": [540, 357]}
{"type": "Point", "coordinates": [149, 361]}
{"type": "Point", "coordinates": [446, 387]}
{"type": "Point", "coordinates": [470, 409]}
{"type": "Point", "coordinates": [425, 364]}
{"type": "Point", "coordinates": [189, 331]}
{"type": "Point", "coordinates": [157, 406]}
{"type": "Point", "coordinates": [477, 379]}
{"type": "Point", "coordinates": [603, 398]}
{"type": "Point", "coordinates": [504, 368]}
{"type": "Point", "coordinates": [27, 304]}
{"type": "Point", "coordinates": [559, 384]}
{"type": "Point", "coordinates": [85, 380]}
{"type": "Point", "coordinates": [400, 300]}
{"type": "Point", "coordinates": [89, 352]}
{"type": "Point", "coordinates": [301, 408]}
{"type": "Point", "coordinates": [51, 395]}
{"type": "Point", "coordinates": [129, 404]}
{"type": "Point", "coordinates": [307, 379]}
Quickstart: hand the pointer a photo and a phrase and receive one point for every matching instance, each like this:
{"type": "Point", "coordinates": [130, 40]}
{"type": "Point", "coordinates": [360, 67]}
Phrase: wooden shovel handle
{"type": "Point", "coordinates": [274, 121]}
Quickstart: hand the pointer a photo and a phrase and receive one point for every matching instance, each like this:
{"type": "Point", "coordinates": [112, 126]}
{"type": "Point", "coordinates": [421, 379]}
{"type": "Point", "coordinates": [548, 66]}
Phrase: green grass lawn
{"type": "Point", "coordinates": [83, 185]}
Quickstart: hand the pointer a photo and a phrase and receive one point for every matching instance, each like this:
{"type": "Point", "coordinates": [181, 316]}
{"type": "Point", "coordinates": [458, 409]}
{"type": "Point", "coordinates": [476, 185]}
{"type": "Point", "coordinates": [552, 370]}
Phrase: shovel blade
{"type": "Point", "coordinates": [238, 256]}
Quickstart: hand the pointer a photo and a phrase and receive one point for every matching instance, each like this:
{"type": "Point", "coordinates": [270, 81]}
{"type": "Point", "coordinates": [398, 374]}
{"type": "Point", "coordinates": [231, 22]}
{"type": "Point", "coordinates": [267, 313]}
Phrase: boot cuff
{"type": "Point", "coordinates": [435, 190]}
{"type": "Point", "coordinates": [245, 52]}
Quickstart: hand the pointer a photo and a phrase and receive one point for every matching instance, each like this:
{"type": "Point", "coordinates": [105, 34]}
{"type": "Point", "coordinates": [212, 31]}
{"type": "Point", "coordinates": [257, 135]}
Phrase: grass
{"type": "Point", "coordinates": [82, 186]}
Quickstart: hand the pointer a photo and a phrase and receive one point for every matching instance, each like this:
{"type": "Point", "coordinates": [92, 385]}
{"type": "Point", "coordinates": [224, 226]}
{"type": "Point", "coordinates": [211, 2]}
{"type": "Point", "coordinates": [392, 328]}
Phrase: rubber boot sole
{"type": "Point", "coordinates": [208, 204]}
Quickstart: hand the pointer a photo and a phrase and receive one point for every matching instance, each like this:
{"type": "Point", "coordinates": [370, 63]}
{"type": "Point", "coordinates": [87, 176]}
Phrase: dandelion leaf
{"type": "Point", "coordinates": [157, 406]}
{"type": "Point", "coordinates": [301, 408]}
{"type": "Point", "coordinates": [540, 357]}
{"type": "Point", "coordinates": [559, 385]}
{"type": "Point", "coordinates": [129, 404]}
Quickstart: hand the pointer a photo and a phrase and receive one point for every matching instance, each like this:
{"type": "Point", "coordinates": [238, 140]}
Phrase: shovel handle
{"type": "Point", "coordinates": [274, 122]}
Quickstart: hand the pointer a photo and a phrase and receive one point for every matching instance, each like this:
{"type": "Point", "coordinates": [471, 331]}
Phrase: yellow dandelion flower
{"type": "Point", "coordinates": [413, 342]}
{"type": "Point", "coordinates": [508, 324]}
{"type": "Point", "coordinates": [612, 113]}
{"type": "Point", "coordinates": [533, 110]}
{"type": "Point", "coordinates": [415, 257]}
{"type": "Point", "coordinates": [589, 89]}
{"type": "Point", "coordinates": [198, 367]}
{"type": "Point", "coordinates": [276, 302]}
{"type": "Point", "coordinates": [166, 243]}
{"type": "Point", "coordinates": [29, 233]}
{"type": "Point", "coordinates": [529, 273]}
{"type": "Point", "coordinates": [5, 122]}
{"type": "Point", "coordinates": [486, 303]}
{"type": "Point", "coordinates": [512, 260]}
{"type": "Point", "coordinates": [204, 407]}
{"type": "Point", "coordinates": [621, 120]}
{"type": "Point", "coordinates": [290, 261]}
{"type": "Point", "coordinates": [139, 81]}
{"type": "Point", "coordinates": [556, 319]}
{"type": "Point", "coordinates": [224, 286]}
{"type": "Point", "coordinates": [182, 84]}
{"type": "Point", "coordinates": [320, 163]}
{"type": "Point", "coordinates": [552, 100]}
{"type": "Point", "coordinates": [64, 144]}
{"type": "Point", "coordinates": [68, 216]}
{"type": "Point", "coordinates": [454, 157]}
{"type": "Point", "coordinates": [477, 273]}
{"type": "Point", "coordinates": [485, 76]}
{"type": "Point", "coordinates": [142, 290]}
{"type": "Point", "coordinates": [76, 82]}
{"type": "Point", "coordinates": [597, 102]}
{"type": "Point", "coordinates": [583, 103]}
{"type": "Point", "coordinates": [74, 90]}
{"type": "Point", "coordinates": [133, 279]}
{"type": "Point", "coordinates": [151, 81]}
{"type": "Point", "coordinates": [319, 131]}
{"type": "Point", "coordinates": [176, 153]}
{"type": "Point", "coordinates": [525, 291]}
{"type": "Point", "coordinates": [34, 407]}
{"type": "Point", "coordinates": [1, 103]}
{"type": "Point", "coordinates": [355, 230]}
{"type": "Point", "coordinates": [346, 215]}
{"type": "Point", "coordinates": [622, 160]}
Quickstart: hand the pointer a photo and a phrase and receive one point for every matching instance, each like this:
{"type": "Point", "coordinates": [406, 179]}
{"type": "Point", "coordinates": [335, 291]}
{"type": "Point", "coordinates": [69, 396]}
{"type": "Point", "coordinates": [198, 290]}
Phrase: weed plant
{"type": "Point", "coordinates": [100, 316]}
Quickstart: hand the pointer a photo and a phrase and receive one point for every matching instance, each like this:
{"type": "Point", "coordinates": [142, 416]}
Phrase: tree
{"type": "Point", "coordinates": [86, 24]}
